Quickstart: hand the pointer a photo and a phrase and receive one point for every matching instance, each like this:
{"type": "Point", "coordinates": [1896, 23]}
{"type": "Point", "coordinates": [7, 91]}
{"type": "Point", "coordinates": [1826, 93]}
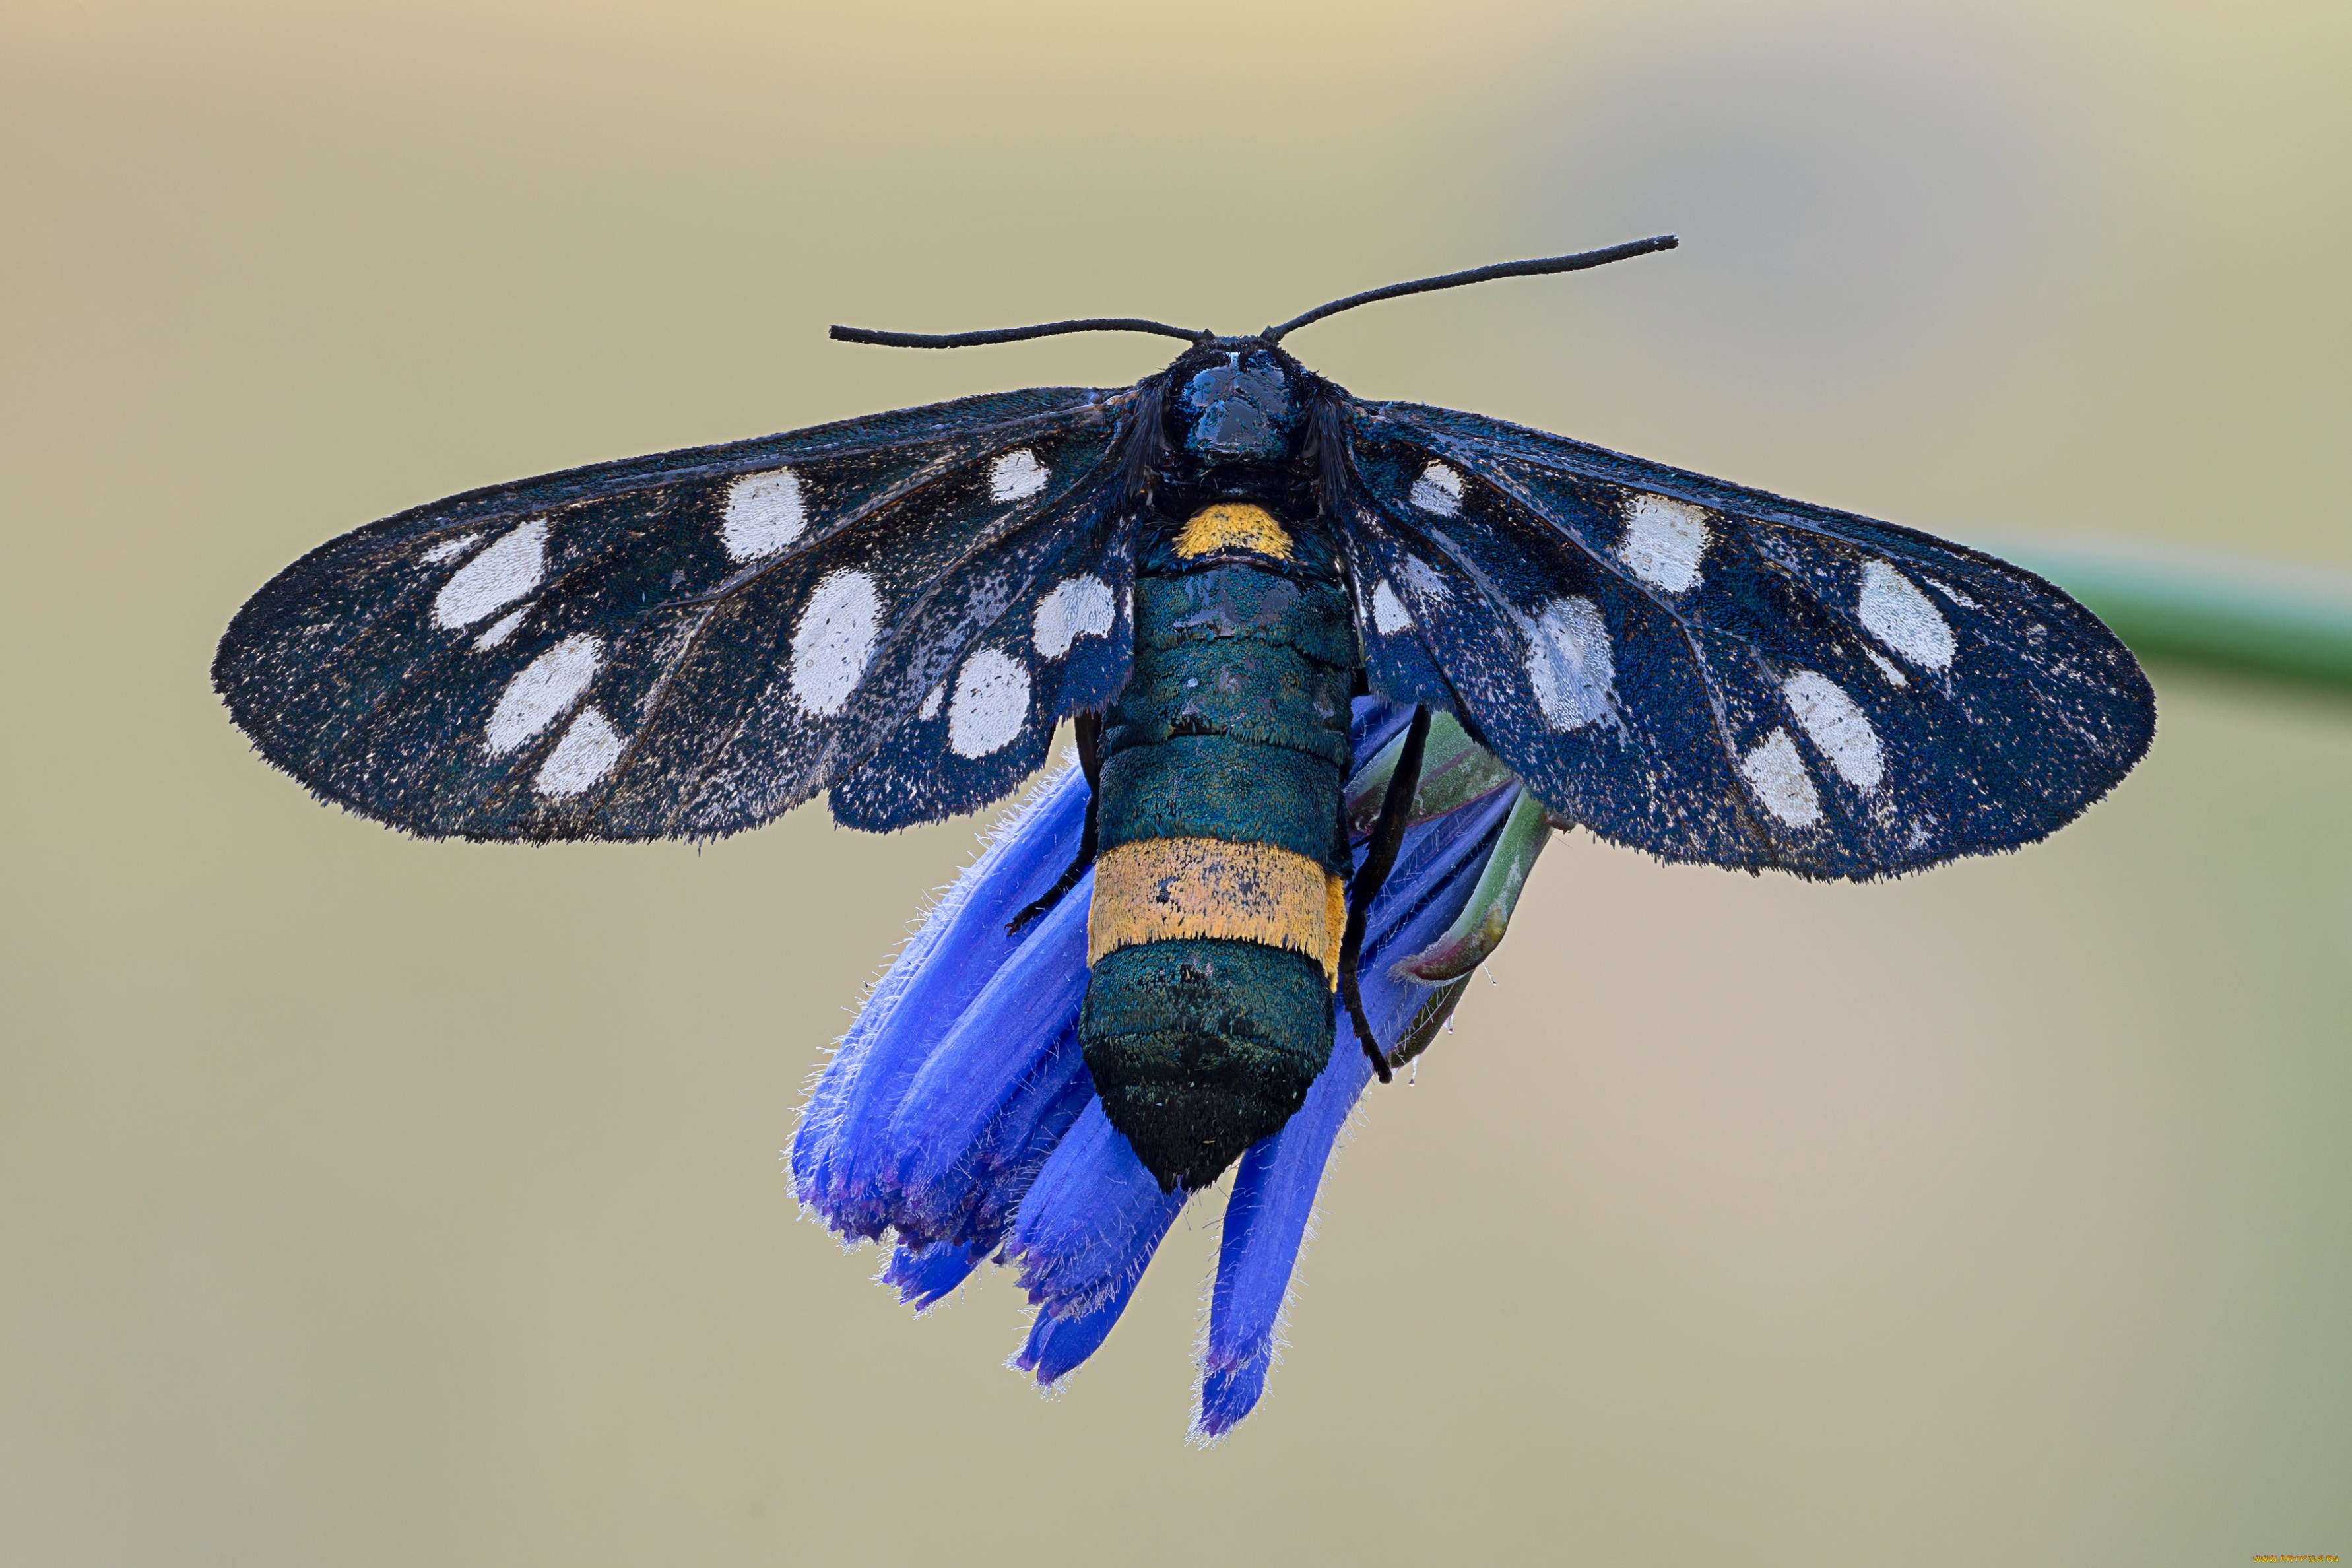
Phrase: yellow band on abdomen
{"type": "Point", "coordinates": [1167, 890]}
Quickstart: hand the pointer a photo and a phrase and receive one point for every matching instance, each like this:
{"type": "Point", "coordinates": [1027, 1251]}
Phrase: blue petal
{"type": "Point", "coordinates": [1373, 723]}
{"type": "Point", "coordinates": [973, 1203]}
{"type": "Point", "coordinates": [1090, 1222]}
{"type": "Point", "coordinates": [931, 1162]}
{"type": "Point", "coordinates": [1265, 1219]}
{"type": "Point", "coordinates": [1274, 1192]}
{"type": "Point", "coordinates": [1056, 1344]}
{"type": "Point", "coordinates": [924, 1275]}
{"type": "Point", "coordinates": [846, 1162]}
{"type": "Point", "coordinates": [1226, 1394]}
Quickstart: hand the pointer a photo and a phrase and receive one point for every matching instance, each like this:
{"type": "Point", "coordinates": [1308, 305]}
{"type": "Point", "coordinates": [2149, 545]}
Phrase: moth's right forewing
{"type": "Point", "coordinates": [668, 647]}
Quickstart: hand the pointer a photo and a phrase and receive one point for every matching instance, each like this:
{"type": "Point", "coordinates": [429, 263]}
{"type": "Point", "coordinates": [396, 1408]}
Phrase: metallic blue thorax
{"type": "Point", "coordinates": [1247, 409]}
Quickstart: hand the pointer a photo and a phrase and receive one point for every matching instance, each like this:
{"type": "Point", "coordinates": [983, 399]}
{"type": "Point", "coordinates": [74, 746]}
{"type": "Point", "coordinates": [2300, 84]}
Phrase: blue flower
{"type": "Point", "coordinates": [957, 1120]}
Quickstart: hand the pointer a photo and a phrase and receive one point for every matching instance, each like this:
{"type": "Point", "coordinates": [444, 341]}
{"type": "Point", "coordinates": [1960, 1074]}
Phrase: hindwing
{"type": "Point", "coordinates": [688, 644]}
{"type": "Point", "coordinates": [1715, 674]}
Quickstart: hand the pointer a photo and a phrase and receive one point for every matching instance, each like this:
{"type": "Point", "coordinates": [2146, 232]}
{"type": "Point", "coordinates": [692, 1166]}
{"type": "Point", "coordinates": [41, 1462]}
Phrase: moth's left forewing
{"type": "Point", "coordinates": [1762, 683]}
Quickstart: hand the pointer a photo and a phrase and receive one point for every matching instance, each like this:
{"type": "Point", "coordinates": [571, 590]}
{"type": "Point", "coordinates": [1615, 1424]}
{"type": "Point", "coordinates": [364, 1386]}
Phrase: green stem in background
{"type": "Point", "coordinates": [2211, 612]}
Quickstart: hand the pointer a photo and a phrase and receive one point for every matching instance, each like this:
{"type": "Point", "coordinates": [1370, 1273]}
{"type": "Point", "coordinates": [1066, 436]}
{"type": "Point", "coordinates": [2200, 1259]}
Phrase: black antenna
{"type": "Point", "coordinates": [1012, 334]}
{"type": "Point", "coordinates": [1577, 263]}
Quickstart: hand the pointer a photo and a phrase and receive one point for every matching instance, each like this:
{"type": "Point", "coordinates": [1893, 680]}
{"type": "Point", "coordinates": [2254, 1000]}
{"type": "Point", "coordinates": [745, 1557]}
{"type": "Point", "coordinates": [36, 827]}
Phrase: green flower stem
{"type": "Point", "coordinates": [1454, 771]}
{"type": "Point", "coordinates": [1478, 930]}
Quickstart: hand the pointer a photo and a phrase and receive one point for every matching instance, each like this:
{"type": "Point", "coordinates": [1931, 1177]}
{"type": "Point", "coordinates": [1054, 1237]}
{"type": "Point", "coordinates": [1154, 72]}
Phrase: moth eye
{"type": "Point", "coordinates": [1389, 614]}
{"type": "Point", "coordinates": [1439, 489]}
{"type": "Point", "coordinates": [1081, 607]}
{"type": "Point", "coordinates": [1016, 476]}
{"type": "Point", "coordinates": [1837, 728]}
{"type": "Point", "coordinates": [546, 686]}
{"type": "Point", "coordinates": [834, 640]}
{"type": "Point", "coordinates": [1663, 540]}
{"type": "Point", "coordinates": [1777, 774]}
{"type": "Point", "coordinates": [764, 513]}
{"type": "Point", "coordinates": [585, 754]}
{"type": "Point", "coordinates": [494, 579]}
{"type": "Point", "coordinates": [990, 704]}
{"type": "Point", "coordinates": [1902, 618]}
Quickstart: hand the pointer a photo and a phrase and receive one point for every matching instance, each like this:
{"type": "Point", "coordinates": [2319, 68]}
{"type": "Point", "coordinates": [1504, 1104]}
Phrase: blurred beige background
{"type": "Point", "coordinates": [365, 1201]}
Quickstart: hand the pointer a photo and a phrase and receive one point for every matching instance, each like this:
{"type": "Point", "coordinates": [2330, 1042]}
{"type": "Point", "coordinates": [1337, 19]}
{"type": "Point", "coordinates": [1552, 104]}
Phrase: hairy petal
{"type": "Point", "coordinates": [850, 1156]}
{"type": "Point", "coordinates": [1057, 1344]}
{"type": "Point", "coordinates": [925, 1276]}
{"type": "Point", "coordinates": [1091, 1221]}
{"type": "Point", "coordinates": [962, 1128]}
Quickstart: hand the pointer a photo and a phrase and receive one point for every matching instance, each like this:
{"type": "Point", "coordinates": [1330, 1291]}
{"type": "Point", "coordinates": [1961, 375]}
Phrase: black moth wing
{"type": "Point", "coordinates": [968, 698]}
{"type": "Point", "coordinates": [688, 644]}
{"type": "Point", "coordinates": [1715, 674]}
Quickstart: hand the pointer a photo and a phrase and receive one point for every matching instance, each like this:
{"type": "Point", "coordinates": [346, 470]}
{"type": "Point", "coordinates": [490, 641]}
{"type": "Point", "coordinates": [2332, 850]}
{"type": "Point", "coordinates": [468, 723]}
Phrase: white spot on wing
{"type": "Point", "coordinates": [496, 577]}
{"type": "Point", "coordinates": [1424, 577]}
{"type": "Point", "coordinates": [932, 700]}
{"type": "Point", "coordinates": [1082, 606]}
{"type": "Point", "coordinates": [1886, 666]}
{"type": "Point", "coordinates": [543, 688]}
{"type": "Point", "coordinates": [834, 640]}
{"type": "Point", "coordinates": [1389, 614]}
{"type": "Point", "coordinates": [1777, 774]}
{"type": "Point", "coordinates": [1901, 616]}
{"type": "Point", "coordinates": [1663, 540]}
{"type": "Point", "coordinates": [1439, 489]}
{"type": "Point", "coordinates": [1016, 476]}
{"type": "Point", "coordinates": [500, 629]}
{"type": "Point", "coordinates": [1954, 595]}
{"type": "Point", "coordinates": [585, 754]}
{"type": "Point", "coordinates": [450, 549]}
{"type": "Point", "coordinates": [992, 703]}
{"type": "Point", "coordinates": [764, 514]}
{"type": "Point", "coordinates": [1833, 723]}
{"type": "Point", "coordinates": [1569, 665]}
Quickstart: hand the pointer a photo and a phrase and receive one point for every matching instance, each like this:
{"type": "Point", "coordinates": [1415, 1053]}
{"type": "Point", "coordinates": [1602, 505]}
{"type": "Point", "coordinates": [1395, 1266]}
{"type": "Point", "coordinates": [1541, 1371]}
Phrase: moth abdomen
{"type": "Point", "coordinates": [1219, 904]}
{"type": "Point", "coordinates": [1199, 1048]}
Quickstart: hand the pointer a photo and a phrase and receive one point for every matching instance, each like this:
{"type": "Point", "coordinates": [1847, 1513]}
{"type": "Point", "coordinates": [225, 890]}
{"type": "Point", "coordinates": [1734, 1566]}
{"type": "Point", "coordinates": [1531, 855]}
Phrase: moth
{"type": "Point", "coordinates": [1203, 569]}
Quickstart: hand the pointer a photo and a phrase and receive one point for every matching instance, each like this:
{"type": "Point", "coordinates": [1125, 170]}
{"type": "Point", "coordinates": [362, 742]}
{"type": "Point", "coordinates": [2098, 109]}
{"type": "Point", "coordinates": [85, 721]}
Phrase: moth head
{"type": "Point", "coordinates": [1238, 400]}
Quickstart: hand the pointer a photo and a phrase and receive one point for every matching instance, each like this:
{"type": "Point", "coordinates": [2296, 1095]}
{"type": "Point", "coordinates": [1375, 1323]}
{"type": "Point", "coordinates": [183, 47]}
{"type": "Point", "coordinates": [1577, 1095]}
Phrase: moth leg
{"type": "Point", "coordinates": [1090, 728]}
{"type": "Point", "coordinates": [1388, 833]}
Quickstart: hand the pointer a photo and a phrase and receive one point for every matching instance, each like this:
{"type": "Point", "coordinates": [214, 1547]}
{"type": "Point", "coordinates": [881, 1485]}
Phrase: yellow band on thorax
{"type": "Point", "coordinates": [1234, 525]}
{"type": "Point", "coordinates": [1167, 890]}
